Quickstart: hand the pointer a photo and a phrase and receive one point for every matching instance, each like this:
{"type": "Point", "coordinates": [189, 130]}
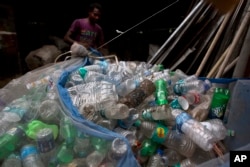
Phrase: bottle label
{"type": "Point", "coordinates": [219, 103]}
{"type": "Point", "coordinates": [177, 89]}
{"type": "Point", "coordinates": [181, 119]}
{"type": "Point", "coordinates": [45, 140]}
{"type": "Point", "coordinates": [175, 104]}
{"type": "Point", "coordinates": [160, 133]}
{"type": "Point", "coordinates": [196, 96]}
{"type": "Point", "coordinates": [217, 112]}
{"type": "Point", "coordinates": [161, 97]}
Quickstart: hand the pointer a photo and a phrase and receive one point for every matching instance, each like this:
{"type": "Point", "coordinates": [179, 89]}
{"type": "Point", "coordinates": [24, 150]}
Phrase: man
{"type": "Point", "coordinates": [86, 31]}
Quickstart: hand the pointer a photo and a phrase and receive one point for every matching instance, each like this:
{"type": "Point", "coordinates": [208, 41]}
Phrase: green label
{"type": "Point", "coordinates": [219, 103]}
{"type": "Point", "coordinates": [161, 97]}
{"type": "Point", "coordinates": [160, 133]}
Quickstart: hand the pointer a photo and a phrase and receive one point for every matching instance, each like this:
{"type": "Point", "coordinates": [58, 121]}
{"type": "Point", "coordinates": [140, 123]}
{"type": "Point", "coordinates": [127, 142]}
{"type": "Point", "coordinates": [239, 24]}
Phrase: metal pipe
{"type": "Point", "coordinates": [178, 32]}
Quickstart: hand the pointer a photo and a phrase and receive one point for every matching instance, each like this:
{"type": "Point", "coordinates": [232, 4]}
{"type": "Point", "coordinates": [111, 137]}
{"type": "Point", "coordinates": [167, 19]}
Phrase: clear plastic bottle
{"type": "Point", "coordinates": [200, 111]}
{"type": "Point", "coordinates": [126, 87]}
{"type": "Point", "coordinates": [193, 97]}
{"type": "Point", "coordinates": [74, 78]}
{"type": "Point", "coordinates": [189, 78]}
{"type": "Point", "coordinates": [217, 127]}
{"type": "Point", "coordinates": [128, 122]}
{"type": "Point", "coordinates": [115, 111]}
{"type": "Point", "coordinates": [129, 135]}
{"type": "Point", "coordinates": [13, 159]}
{"type": "Point", "coordinates": [194, 130]}
{"type": "Point", "coordinates": [107, 123]}
{"type": "Point", "coordinates": [162, 75]}
{"type": "Point", "coordinates": [134, 98]}
{"type": "Point", "coordinates": [99, 67]}
{"type": "Point", "coordinates": [75, 163]}
{"type": "Point", "coordinates": [200, 156]}
{"type": "Point", "coordinates": [177, 75]}
{"type": "Point", "coordinates": [82, 146]}
{"type": "Point", "coordinates": [156, 159]}
{"type": "Point", "coordinates": [169, 138]}
{"type": "Point", "coordinates": [155, 113]}
{"type": "Point", "coordinates": [90, 76]}
{"type": "Point", "coordinates": [93, 93]}
{"type": "Point", "coordinates": [46, 144]}
{"type": "Point", "coordinates": [49, 111]}
{"type": "Point", "coordinates": [6, 122]}
{"type": "Point", "coordinates": [30, 156]}
{"type": "Point", "coordinates": [95, 158]}
{"type": "Point", "coordinates": [197, 85]}
{"type": "Point", "coordinates": [118, 149]}
{"type": "Point", "coordinates": [17, 109]}
{"type": "Point", "coordinates": [171, 157]}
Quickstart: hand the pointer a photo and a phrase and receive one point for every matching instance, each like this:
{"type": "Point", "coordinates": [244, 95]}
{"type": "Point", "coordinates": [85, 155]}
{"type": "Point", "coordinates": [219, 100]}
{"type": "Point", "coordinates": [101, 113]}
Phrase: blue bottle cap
{"type": "Point", "coordinates": [160, 152]}
{"type": "Point", "coordinates": [28, 150]}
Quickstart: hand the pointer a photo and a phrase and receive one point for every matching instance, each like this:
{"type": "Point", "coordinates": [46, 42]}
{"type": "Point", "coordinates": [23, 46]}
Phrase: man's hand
{"type": "Point", "coordinates": [85, 44]}
{"type": "Point", "coordinates": [78, 49]}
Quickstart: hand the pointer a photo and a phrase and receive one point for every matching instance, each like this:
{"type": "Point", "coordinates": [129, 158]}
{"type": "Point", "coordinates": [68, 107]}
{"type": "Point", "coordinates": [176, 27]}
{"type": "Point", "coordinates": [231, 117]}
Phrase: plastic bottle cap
{"type": "Point", "coordinates": [27, 150]}
{"type": "Point", "coordinates": [183, 102]}
{"type": "Point", "coordinates": [207, 84]}
{"type": "Point", "coordinates": [160, 151]}
{"type": "Point", "coordinates": [82, 71]}
{"type": "Point", "coordinates": [137, 123]}
{"type": "Point", "coordinates": [36, 125]}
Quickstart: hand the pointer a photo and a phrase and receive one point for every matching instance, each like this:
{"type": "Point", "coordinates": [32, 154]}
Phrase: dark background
{"type": "Point", "coordinates": [143, 22]}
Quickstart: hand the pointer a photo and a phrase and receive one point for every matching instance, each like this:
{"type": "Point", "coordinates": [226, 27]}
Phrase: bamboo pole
{"type": "Point", "coordinates": [231, 65]}
{"type": "Point", "coordinates": [237, 37]}
{"type": "Point", "coordinates": [215, 68]}
{"type": "Point", "coordinates": [216, 38]}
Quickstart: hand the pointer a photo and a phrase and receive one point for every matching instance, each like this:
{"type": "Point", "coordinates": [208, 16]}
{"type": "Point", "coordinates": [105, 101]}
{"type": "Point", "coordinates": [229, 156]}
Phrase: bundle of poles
{"type": "Point", "coordinates": [210, 42]}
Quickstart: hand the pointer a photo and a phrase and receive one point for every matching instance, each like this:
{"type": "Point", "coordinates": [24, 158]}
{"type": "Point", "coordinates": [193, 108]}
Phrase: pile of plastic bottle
{"type": "Point", "coordinates": [168, 118]}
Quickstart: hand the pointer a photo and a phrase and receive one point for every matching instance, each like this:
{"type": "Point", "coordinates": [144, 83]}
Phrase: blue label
{"type": "Point", "coordinates": [180, 119]}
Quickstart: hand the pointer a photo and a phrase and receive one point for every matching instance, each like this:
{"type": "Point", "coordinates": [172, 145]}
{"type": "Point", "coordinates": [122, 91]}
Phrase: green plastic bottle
{"type": "Point", "coordinates": [161, 93]}
{"type": "Point", "coordinates": [64, 155]}
{"type": "Point", "coordinates": [10, 140]}
{"type": "Point", "coordinates": [68, 131]}
{"type": "Point", "coordinates": [219, 103]}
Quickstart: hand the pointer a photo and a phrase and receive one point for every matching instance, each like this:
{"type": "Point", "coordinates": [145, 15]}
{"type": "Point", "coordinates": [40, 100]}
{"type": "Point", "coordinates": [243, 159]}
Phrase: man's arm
{"type": "Point", "coordinates": [67, 37]}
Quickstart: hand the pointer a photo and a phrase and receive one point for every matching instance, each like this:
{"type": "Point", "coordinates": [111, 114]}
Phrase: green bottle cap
{"type": "Point", "coordinates": [82, 71]}
{"type": "Point", "coordinates": [36, 125]}
{"type": "Point", "coordinates": [137, 123]}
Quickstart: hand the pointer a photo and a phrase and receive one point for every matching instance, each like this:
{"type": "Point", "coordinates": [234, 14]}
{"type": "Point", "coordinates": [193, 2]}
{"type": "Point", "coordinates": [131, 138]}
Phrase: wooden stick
{"type": "Point", "coordinates": [216, 38]}
{"type": "Point", "coordinates": [237, 37]}
{"type": "Point", "coordinates": [215, 68]}
{"type": "Point", "coordinates": [229, 66]}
